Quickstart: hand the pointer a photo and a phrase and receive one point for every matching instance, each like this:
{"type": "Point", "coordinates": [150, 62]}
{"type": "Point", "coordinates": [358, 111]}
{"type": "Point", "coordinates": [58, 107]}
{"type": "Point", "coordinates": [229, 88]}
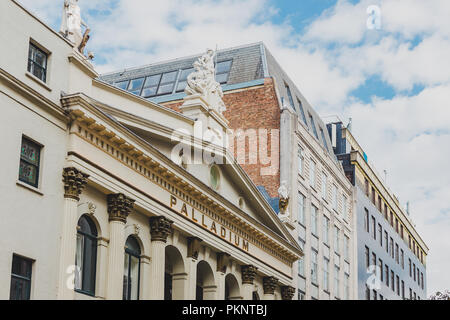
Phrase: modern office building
{"type": "Point", "coordinates": [391, 254]}
{"type": "Point", "coordinates": [95, 205]}
{"type": "Point", "coordinates": [287, 145]}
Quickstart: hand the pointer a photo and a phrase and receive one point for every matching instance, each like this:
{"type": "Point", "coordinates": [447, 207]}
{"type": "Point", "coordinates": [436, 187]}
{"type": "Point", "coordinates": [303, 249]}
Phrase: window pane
{"type": "Point", "coordinates": [222, 78]}
{"type": "Point", "coordinates": [20, 279]}
{"type": "Point", "coordinates": [89, 266]}
{"type": "Point", "coordinates": [166, 88]}
{"type": "Point", "coordinates": [122, 85]}
{"type": "Point", "coordinates": [30, 152]}
{"type": "Point", "coordinates": [136, 84]}
{"type": "Point", "coordinates": [28, 173]}
{"type": "Point", "coordinates": [169, 77]}
{"type": "Point", "coordinates": [181, 86]}
{"type": "Point", "coordinates": [148, 92]}
{"type": "Point", "coordinates": [184, 74]}
{"type": "Point", "coordinates": [20, 289]}
{"type": "Point", "coordinates": [134, 278]}
{"type": "Point", "coordinates": [152, 80]}
{"type": "Point", "coordinates": [224, 66]}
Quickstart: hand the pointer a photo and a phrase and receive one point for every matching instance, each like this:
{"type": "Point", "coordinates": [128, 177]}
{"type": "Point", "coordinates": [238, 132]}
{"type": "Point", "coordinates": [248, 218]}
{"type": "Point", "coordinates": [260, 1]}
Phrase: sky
{"type": "Point", "coordinates": [389, 70]}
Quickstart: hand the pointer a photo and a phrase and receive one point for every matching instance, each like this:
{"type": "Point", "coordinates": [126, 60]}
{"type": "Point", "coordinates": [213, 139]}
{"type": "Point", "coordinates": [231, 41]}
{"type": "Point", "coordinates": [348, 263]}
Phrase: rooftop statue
{"type": "Point", "coordinates": [71, 25]}
{"type": "Point", "coordinates": [202, 82]}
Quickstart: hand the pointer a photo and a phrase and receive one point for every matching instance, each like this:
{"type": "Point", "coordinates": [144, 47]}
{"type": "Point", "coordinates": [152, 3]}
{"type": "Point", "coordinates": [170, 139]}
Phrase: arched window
{"type": "Point", "coordinates": [131, 277]}
{"type": "Point", "coordinates": [86, 256]}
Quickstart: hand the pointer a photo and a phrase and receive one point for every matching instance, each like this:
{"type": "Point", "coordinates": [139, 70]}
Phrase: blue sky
{"type": "Point", "coordinates": [393, 81]}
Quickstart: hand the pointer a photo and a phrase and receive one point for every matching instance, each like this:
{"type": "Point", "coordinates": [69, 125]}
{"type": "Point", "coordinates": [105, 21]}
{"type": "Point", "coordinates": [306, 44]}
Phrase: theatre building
{"type": "Point", "coordinates": [96, 204]}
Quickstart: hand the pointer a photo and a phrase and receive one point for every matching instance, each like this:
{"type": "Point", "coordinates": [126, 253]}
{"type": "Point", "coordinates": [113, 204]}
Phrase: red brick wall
{"type": "Point", "coordinates": [253, 108]}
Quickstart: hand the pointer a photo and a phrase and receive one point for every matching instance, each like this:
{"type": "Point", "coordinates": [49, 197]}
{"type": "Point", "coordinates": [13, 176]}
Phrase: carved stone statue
{"type": "Point", "coordinates": [283, 193]}
{"type": "Point", "coordinates": [202, 82]}
{"type": "Point", "coordinates": [71, 24]}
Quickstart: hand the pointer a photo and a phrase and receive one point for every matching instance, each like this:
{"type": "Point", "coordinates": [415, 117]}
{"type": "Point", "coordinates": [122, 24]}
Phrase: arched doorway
{"type": "Point", "coordinates": [206, 285]}
{"type": "Point", "coordinates": [175, 277]}
{"type": "Point", "coordinates": [232, 291]}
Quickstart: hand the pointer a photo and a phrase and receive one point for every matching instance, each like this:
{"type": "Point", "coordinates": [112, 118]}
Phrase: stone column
{"type": "Point", "coordinates": [74, 182]}
{"type": "Point", "coordinates": [269, 285]}
{"type": "Point", "coordinates": [160, 228]}
{"type": "Point", "coordinates": [248, 274]}
{"type": "Point", "coordinates": [119, 207]}
{"type": "Point", "coordinates": [287, 292]}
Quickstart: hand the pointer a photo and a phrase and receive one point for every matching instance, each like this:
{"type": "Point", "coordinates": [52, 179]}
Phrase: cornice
{"type": "Point", "coordinates": [152, 161]}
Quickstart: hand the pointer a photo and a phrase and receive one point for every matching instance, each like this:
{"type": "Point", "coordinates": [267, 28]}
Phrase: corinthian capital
{"type": "Point", "coordinates": [287, 292]}
{"type": "Point", "coordinates": [248, 274]}
{"type": "Point", "coordinates": [74, 182]}
{"type": "Point", "coordinates": [269, 285]}
{"type": "Point", "coordinates": [119, 207]}
{"type": "Point", "coordinates": [160, 228]}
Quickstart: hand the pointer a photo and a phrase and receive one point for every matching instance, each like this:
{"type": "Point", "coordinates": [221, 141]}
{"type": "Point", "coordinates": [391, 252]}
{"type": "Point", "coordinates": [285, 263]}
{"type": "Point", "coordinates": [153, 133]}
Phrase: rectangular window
{"type": "Point", "coordinates": [37, 62]}
{"type": "Point", "coordinates": [335, 200]}
{"type": "Point", "coordinates": [346, 248]}
{"type": "Point", "coordinates": [380, 235]}
{"type": "Point", "coordinates": [414, 271]}
{"type": "Point", "coordinates": [324, 186]}
{"type": "Point", "coordinates": [386, 244]}
{"type": "Point", "coordinates": [167, 83]}
{"type": "Point", "coordinates": [302, 112]}
{"type": "Point", "coordinates": [386, 274]}
{"type": "Point", "coordinates": [397, 283]}
{"type": "Point", "coordinates": [300, 160]}
{"type": "Point", "coordinates": [401, 231]}
{"type": "Point", "coordinates": [374, 230]}
{"type": "Point", "coordinates": [380, 266]}
{"type": "Point", "coordinates": [410, 267]}
{"type": "Point", "coordinates": [312, 173]}
{"type": "Point", "coordinates": [326, 230]}
{"type": "Point", "coordinates": [314, 267]}
{"type": "Point", "coordinates": [367, 252]}
{"type": "Point", "coordinates": [182, 79]}
{"type": "Point", "coordinates": [336, 282]}
{"type": "Point", "coordinates": [301, 267]}
{"type": "Point", "coordinates": [151, 86]}
{"type": "Point", "coordinates": [373, 196]}
{"type": "Point", "coordinates": [301, 208]}
{"type": "Point", "coordinates": [385, 211]}
{"type": "Point", "coordinates": [392, 281]}
{"type": "Point", "coordinates": [391, 247]}
{"type": "Point", "coordinates": [379, 206]}
{"type": "Point", "coordinates": [314, 220]}
{"type": "Point", "coordinates": [403, 289]}
{"type": "Point", "coordinates": [135, 86]}
{"type": "Point", "coordinates": [223, 70]}
{"type": "Point", "coordinates": [366, 219]}
{"type": "Point", "coordinates": [397, 254]}
{"type": "Point", "coordinates": [323, 139]}
{"type": "Point", "coordinates": [421, 281]}
{"type": "Point", "coordinates": [336, 239]}
{"type": "Point", "coordinates": [392, 219]}
{"type": "Point", "coordinates": [402, 258]}
{"type": "Point", "coordinates": [20, 278]}
{"type": "Point", "coordinates": [311, 119]}
{"type": "Point", "coordinates": [289, 94]}
{"type": "Point", "coordinates": [366, 184]}
{"type": "Point", "coordinates": [30, 154]}
{"type": "Point", "coordinates": [326, 272]}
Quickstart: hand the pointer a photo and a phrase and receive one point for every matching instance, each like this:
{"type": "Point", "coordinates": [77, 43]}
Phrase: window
{"type": "Point", "coordinates": [391, 247]}
{"type": "Point", "coordinates": [300, 160]}
{"type": "Point", "coordinates": [289, 94]}
{"type": "Point", "coordinates": [301, 295]}
{"type": "Point", "coordinates": [157, 84]}
{"type": "Point", "coordinates": [374, 259]}
{"type": "Point", "coordinates": [326, 272]}
{"type": "Point", "coordinates": [122, 84]}
{"type": "Point", "coordinates": [397, 254]}
{"type": "Point", "coordinates": [410, 267]}
{"type": "Point", "coordinates": [312, 174]}
{"type": "Point", "coordinates": [326, 230]}
{"type": "Point", "coordinates": [367, 255]}
{"type": "Point", "coordinates": [396, 225]}
{"type": "Point", "coordinates": [336, 239]}
{"type": "Point", "coordinates": [346, 248]}
{"type": "Point", "coordinates": [397, 283]}
{"type": "Point", "coordinates": [86, 256]}
{"type": "Point", "coordinates": [151, 86]}
{"type": "Point", "coordinates": [131, 277]}
{"type": "Point", "coordinates": [323, 139]}
{"type": "Point", "coordinates": [37, 62]}
{"type": "Point", "coordinates": [223, 70]}
{"type": "Point", "coordinates": [385, 211]}
{"type": "Point", "coordinates": [20, 278]}
{"type": "Point", "coordinates": [135, 86]}
{"type": "Point", "coordinates": [392, 219]}
{"type": "Point", "coordinates": [324, 185]}
{"type": "Point", "coordinates": [401, 231]}
{"type": "Point", "coordinates": [386, 244]}
{"type": "Point", "coordinates": [167, 82]}
{"type": "Point", "coordinates": [374, 230]}
{"type": "Point", "coordinates": [380, 204]}
{"type": "Point", "coordinates": [392, 281]}
{"type": "Point", "coordinates": [373, 196]}
{"type": "Point", "coordinates": [380, 235]}
{"type": "Point", "coordinates": [314, 267]}
{"type": "Point", "coordinates": [311, 119]}
{"type": "Point", "coordinates": [421, 281]}
{"type": "Point", "coordinates": [346, 287]}
{"type": "Point", "coordinates": [366, 184]}
{"type": "Point", "coordinates": [182, 80]}
{"type": "Point", "coordinates": [366, 219]}
{"type": "Point", "coordinates": [344, 206]}
{"type": "Point", "coordinates": [402, 258]}
{"type": "Point", "coordinates": [302, 112]}
{"type": "Point", "coordinates": [301, 208]}
{"type": "Point", "coordinates": [336, 282]}
{"type": "Point", "coordinates": [410, 294]}
{"type": "Point", "coordinates": [30, 154]}
{"type": "Point", "coordinates": [403, 289]}
{"type": "Point", "coordinates": [314, 220]}
{"type": "Point", "coordinates": [386, 274]}
{"type": "Point", "coordinates": [380, 266]}
{"type": "Point", "coordinates": [335, 200]}
{"type": "Point", "coordinates": [414, 271]}
{"type": "Point", "coordinates": [301, 266]}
